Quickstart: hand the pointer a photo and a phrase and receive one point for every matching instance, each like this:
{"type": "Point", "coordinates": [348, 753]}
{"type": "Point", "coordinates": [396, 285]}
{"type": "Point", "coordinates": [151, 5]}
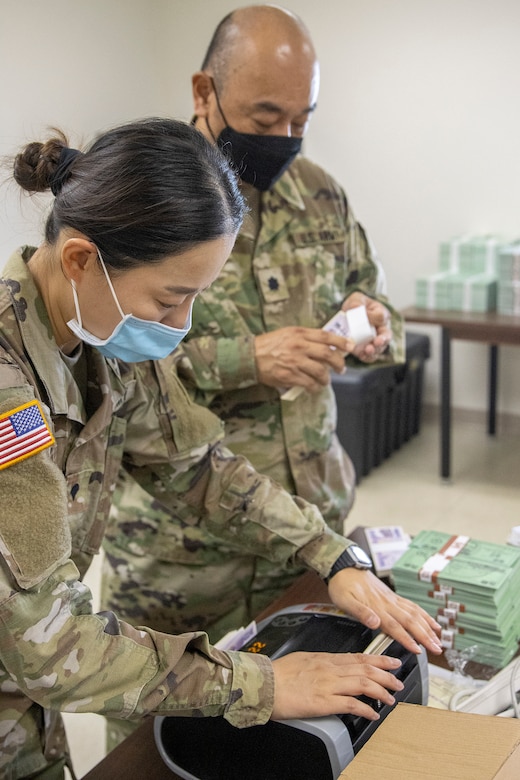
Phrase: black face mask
{"type": "Point", "coordinates": [258, 159]}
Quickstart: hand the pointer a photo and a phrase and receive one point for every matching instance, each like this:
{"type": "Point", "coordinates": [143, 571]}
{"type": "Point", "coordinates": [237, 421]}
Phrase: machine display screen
{"type": "Point", "coordinates": [290, 632]}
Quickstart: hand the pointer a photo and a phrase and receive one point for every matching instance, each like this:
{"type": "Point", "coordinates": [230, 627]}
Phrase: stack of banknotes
{"type": "Point", "coordinates": [466, 279]}
{"type": "Point", "coordinates": [470, 587]}
{"type": "Point", "coordinates": [509, 279]}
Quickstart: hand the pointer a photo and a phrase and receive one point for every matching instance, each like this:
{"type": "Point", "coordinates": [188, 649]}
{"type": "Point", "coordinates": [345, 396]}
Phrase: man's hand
{"type": "Point", "coordinates": [378, 316]}
{"type": "Point", "coordinates": [300, 356]}
{"type": "Point", "coordinates": [365, 597]}
{"type": "Point", "coordinates": [309, 685]}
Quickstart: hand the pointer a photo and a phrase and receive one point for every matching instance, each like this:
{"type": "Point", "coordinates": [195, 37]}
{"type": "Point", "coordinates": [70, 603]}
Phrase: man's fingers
{"type": "Point", "coordinates": [299, 356]}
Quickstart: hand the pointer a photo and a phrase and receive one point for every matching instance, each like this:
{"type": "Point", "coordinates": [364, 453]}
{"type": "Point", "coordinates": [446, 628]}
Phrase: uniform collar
{"type": "Point", "coordinates": [37, 336]}
{"type": "Point", "coordinates": [286, 187]}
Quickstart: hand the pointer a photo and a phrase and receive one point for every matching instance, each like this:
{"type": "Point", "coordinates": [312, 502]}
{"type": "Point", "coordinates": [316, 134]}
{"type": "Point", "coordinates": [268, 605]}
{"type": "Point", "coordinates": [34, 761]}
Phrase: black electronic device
{"type": "Point", "coordinates": [303, 749]}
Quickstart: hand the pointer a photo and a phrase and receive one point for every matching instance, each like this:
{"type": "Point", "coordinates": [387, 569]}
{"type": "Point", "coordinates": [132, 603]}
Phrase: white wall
{"type": "Point", "coordinates": [418, 116]}
{"type": "Point", "coordinates": [81, 65]}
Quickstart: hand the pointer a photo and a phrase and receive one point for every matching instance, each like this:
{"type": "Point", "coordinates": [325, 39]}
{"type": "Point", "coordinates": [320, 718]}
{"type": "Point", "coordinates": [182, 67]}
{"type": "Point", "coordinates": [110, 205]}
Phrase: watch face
{"type": "Point", "coordinates": [359, 556]}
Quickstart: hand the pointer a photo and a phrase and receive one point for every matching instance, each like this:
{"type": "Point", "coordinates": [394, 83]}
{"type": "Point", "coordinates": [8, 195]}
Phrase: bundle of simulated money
{"type": "Point", "coordinates": [509, 279]}
{"type": "Point", "coordinates": [466, 279]}
{"type": "Point", "coordinates": [471, 588]}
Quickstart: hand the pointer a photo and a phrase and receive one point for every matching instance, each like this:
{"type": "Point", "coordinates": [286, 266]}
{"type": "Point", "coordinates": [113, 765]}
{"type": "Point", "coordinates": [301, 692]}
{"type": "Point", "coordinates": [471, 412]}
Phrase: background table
{"type": "Point", "coordinates": [490, 328]}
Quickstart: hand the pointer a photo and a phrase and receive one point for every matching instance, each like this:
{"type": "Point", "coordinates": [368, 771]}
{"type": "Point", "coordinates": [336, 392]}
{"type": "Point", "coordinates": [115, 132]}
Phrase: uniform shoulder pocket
{"type": "Point", "coordinates": [34, 530]}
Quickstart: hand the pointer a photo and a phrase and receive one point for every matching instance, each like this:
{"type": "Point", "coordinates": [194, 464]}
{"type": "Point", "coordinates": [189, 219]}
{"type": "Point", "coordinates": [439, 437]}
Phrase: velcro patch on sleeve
{"type": "Point", "coordinates": [23, 432]}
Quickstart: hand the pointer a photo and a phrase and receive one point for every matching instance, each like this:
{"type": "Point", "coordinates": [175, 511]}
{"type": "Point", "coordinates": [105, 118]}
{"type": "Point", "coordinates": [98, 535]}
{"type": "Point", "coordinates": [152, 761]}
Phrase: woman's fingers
{"type": "Point", "coordinates": [316, 684]}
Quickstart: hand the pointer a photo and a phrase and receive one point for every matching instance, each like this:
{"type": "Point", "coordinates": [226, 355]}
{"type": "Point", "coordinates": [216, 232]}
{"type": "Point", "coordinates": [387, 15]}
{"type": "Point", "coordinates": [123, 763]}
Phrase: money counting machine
{"type": "Point", "coordinates": [304, 749]}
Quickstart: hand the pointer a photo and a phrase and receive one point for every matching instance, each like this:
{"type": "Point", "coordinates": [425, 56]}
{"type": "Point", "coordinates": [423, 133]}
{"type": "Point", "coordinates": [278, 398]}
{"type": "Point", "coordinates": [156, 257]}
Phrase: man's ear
{"type": "Point", "coordinates": [202, 88]}
{"type": "Point", "coordinates": [77, 256]}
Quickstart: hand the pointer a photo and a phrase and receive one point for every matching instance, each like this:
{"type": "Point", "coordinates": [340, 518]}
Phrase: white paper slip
{"type": "Point", "coordinates": [292, 393]}
{"type": "Point", "coordinates": [237, 638]}
{"type": "Point", "coordinates": [338, 324]}
{"type": "Point", "coordinates": [360, 329]}
{"type": "Point", "coordinates": [352, 324]}
{"type": "Point", "coordinates": [386, 544]}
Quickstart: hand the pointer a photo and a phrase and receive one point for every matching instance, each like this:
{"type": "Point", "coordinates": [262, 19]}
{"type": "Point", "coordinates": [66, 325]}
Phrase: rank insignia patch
{"type": "Point", "coordinates": [23, 432]}
{"type": "Point", "coordinates": [272, 285]}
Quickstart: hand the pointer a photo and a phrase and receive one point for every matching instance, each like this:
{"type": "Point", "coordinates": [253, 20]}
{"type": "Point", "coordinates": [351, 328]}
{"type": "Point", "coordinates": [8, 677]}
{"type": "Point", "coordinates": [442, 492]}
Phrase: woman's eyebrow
{"type": "Point", "coordinates": [178, 290]}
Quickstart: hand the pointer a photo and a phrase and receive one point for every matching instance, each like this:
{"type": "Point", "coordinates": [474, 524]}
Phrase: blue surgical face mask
{"type": "Point", "coordinates": [132, 340]}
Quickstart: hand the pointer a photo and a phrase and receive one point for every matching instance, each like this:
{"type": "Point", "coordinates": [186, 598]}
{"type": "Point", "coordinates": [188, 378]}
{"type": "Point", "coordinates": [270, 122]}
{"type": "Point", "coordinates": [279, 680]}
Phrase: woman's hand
{"type": "Point", "coordinates": [365, 597]}
{"type": "Point", "coordinates": [314, 684]}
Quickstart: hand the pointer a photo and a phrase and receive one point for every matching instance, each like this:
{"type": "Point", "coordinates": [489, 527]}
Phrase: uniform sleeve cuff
{"type": "Point", "coordinates": [322, 553]}
{"type": "Point", "coordinates": [252, 695]}
{"type": "Point", "coordinates": [236, 362]}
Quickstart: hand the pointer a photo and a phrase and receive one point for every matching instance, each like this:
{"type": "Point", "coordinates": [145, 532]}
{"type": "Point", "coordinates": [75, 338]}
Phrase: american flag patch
{"type": "Point", "coordinates": [23, 432]}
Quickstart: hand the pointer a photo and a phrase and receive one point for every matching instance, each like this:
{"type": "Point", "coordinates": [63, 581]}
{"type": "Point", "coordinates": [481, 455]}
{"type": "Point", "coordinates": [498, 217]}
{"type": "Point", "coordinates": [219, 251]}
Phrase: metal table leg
{"type": "Point", "coordinates": [493, 380]}
{"type": "Point", "coordinates": [445, 405]}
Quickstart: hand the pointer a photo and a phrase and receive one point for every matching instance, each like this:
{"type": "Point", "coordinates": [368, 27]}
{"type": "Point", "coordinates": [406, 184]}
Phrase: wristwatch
{"type": "Point", "coordinates": [353, 557]}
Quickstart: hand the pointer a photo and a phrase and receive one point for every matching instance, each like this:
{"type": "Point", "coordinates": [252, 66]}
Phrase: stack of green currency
{"type": "Point", "coordinates": [470, 587]}
{"type": "Point", "coordinates": [467, 275]}
{"type": "Point", "coordinates": [509, 279]}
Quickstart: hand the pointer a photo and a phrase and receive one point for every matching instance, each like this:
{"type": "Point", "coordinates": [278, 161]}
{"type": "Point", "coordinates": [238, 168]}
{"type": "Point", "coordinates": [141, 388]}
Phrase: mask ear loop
{"type": "Point", "coordinates": [109, 280]}
{"type": "Point", "coordinates": [111, 286]}
{"type": "Point", "coordinates": [76, 302]}
{"type": "Point", "coordinates": [219, 108]}
{"type": "Point", "coordinates": [218, 101]}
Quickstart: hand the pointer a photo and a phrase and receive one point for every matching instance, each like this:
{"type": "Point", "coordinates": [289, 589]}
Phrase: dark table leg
{"type": "Point", "coordinates": [493, 379]}
{"type": "Point", "coordinates": [445, 404]}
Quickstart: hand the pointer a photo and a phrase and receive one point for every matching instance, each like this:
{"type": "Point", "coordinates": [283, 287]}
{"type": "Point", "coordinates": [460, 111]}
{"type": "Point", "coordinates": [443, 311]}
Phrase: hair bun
{"type": "Point", "coordinates": [36, 165]}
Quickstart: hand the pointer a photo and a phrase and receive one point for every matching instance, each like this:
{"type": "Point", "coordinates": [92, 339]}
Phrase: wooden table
{"type": "Point", "coordinates": [137, 757]}
{"type": "Point", "coordinates": [490, 328]}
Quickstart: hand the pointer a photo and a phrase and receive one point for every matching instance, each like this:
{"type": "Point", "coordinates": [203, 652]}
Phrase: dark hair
{"type": "Point", "coordinates": [141, 192]}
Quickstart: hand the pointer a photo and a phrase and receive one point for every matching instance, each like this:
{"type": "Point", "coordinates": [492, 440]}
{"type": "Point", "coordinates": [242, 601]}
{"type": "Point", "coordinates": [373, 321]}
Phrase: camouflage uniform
{"type": "Point", "coordinates": [299, 254]}
{"type": "Point", "coordinates": [55, 654]}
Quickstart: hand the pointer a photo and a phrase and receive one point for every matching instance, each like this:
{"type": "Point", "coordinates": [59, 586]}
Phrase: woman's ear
{"type": "Point", "coordinates": [202, 88]}
{"type": "Point", "coordinates": [77, 256]}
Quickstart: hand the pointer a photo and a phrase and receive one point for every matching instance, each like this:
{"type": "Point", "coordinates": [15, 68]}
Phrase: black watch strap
{"type": "Point", "coordinates": [353, 557]}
